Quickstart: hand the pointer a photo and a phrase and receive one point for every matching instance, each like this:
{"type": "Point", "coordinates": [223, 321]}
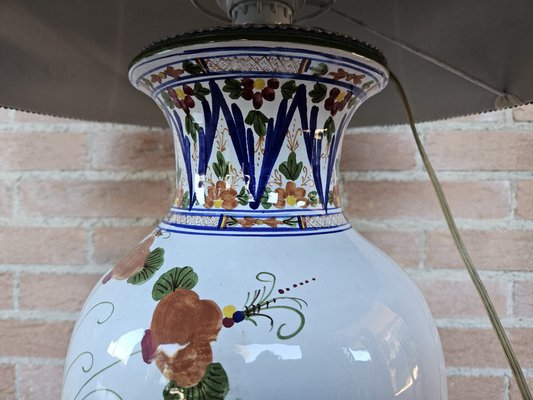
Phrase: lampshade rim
{"type": "Point", "coordinates": [278, 33]}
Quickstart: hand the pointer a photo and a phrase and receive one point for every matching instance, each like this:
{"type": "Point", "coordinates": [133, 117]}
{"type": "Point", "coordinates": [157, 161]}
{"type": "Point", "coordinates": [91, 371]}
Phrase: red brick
{"type": "Point", "coordinates": [63, 292]}
{"type": "Point", "coordinates": [34, 338]}
{"type": "Point", "coordinates": [95, 199]}
{"type": "Point", "coordinates": [524, 196]}
{"type": "Point", "coordinates": [417, 199]}
{"type": "Point", "coordinates": [459, 299]}
{"type": "Point", "coordinates": [523, 299]}
{"type": "Point", "coordinates": [7, 382]}
{"type": "Point", "coordinates": [111, 244]}
{"type": "Point", "coordinates": [6, 291]}
{"type": "Point", "coordinates": [39, 382]}
{"type": "Point", "coordinates": [523, 113]}
{"type": "Point", "coordinates": [402, 247]}
{"type": "Point", "coordinates": [390, 152]}
{"type": "Point", "coordinates": [6, 199]}
{"type": "Point", "coordinates": [514, 393]}
{"type": "Point", "coordinates": [42, 246]}
{"type": "Point", "coordinates": [132, 151]}
{"type": "Point", "coordinates": [521, 341]}
{"type": "Point", "coordinates": [510, 250]}
{"type": "Point", "coordinates": [475, 388]}
{"type": "Point", "coordinates": [480, 348]}
{"type": "Point", "coordinates": [488, 151]}
{"type": "Point", "coordinates": [471, 347]}
{"type": "Point", "coordinates": [42, 151]}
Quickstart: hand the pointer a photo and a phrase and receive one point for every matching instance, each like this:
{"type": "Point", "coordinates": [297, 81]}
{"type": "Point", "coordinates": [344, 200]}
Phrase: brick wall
{"type": "Point", "coordinates": [75, 196]}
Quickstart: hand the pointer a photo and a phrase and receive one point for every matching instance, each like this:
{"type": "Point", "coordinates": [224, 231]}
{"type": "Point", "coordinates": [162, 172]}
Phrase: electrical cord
{"type": "Point", "coordinates": [470, 267]}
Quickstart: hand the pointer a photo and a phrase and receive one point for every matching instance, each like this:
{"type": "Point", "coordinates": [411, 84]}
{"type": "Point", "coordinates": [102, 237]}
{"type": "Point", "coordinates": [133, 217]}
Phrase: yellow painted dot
{"type": "Point", "coordinates": [291, 200]}
{"type": "Point", "coordinates": [180, 93]}
{"type": "Point", "coordinates": [259, 84]}
{"type": "Point", "coordinates": [228, 311]}
{"type": "Point", "coordinates": [217, 203]}
{"type": "Point", "coordinates": [340, 96]}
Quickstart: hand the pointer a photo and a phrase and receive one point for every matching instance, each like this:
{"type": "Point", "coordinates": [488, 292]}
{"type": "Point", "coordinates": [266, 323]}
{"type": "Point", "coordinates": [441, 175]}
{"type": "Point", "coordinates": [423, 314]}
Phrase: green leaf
{"type": "Point", "coordinates": [167, 100]}
{"type": "Point", "coordinates": [232, 221]}
{"type": "Point", "coordinates": [186, 200]}
{"type": "Point", "coordinates": [243, 196]}
{"type": "Point", "coordinates": [200, 92]}
{"type": "Point", "coordinates": [153, 262]}
{"type": "Point", "coordinates": [258, 120]}
{"type": "Point", "coordinates": [221, 167]}
{"type": "Point", "coordinates": [250, 117]}
{"type": "Point", "coordinates": [318, 93]}
{"type": "Point", "coordinates": [264, 199]}
{"type": "Point", "coordinates": [192, 127]}
{"type": "Point", "coordinates": [192, 68]}
{"type": "Point", "coordinates": [213, 386]}
{"type": "Point", "coordinates": [320, 70]}
{"type": "Point", "coordinates": [352, 101]}
{"type": "Point", "coordinates": [233, 87]}
{"type": "Point", "coordinates": [288, 89]}
{"type": "Point", "coordinates": [293, 221]}
{"type": "Point", "coordinates": [291, 169]}
{"type": "Point", "coordinates": [147, 83]}
{"type": "Point", "coordinates": [176, 278]}
{"type": "Point", "coordinates": [330, 197]}
{"type": "Point", "coordinates": [313, 198]}
{"type": "Point", "coordinates": [329, 128]}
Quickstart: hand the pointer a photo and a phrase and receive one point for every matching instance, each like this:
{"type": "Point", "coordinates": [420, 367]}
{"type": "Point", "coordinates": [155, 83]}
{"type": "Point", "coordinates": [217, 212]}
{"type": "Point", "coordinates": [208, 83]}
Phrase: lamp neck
{"type": "Point", "coordinates": [258, 132]}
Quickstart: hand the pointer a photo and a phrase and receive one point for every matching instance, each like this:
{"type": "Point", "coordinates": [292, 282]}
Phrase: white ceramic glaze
{"type": "Point", "coordinates": [255, 286]}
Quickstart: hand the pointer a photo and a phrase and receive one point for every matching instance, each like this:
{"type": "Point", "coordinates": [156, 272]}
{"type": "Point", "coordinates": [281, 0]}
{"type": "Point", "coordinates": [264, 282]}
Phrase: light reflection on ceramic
{"type": "Point", "coordinates": [255, 286]}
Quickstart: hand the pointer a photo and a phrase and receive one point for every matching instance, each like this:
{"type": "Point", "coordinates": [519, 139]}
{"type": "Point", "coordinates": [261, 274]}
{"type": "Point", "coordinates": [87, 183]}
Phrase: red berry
{"type": "Point", "coordinates": [334, 109]}
{"type": "Point", "coordinates": [328, 104]}
{"type": "Point", "coordinates": [189, 102]}
{"type": "Point", "coordinates": [188, 90]}
{"type": "Point", "coordinates": [273, 83]}
{"type": "Point", "coordinates": [268, 94]}
{"type": "Point", "coordinates": [247, 83]}
{"type": "Point", "coordinates": [228, 322]}
{"type": "Point", "coordinates": [172, 94]}
{"type": "Point", "coordinates": [334, 93]}
{"type": "Point", "coordinates": [258, 100]}
{"type": "Point", "coordinates": [247, 94]}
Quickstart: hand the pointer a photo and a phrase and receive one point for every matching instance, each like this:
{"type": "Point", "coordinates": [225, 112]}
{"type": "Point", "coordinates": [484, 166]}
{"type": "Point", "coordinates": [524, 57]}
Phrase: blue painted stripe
{"type": "Point", "coordinates": [288, 233]}
{"type": "Point", "coordinates": [242, 229]}
{"type": "Point", "coordinates": [246, 213]}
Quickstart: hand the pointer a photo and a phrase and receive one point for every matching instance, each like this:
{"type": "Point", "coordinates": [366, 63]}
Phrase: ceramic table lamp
{"type": "Point", "coordinates": [255, 286]}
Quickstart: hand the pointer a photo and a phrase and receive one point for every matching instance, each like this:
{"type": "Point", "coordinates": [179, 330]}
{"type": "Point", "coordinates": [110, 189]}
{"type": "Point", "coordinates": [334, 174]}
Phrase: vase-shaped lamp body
{"type": "Point", "coordinates": [254, 286]}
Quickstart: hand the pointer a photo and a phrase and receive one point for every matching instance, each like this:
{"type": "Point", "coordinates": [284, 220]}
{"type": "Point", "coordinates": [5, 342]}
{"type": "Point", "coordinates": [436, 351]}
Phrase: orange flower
{"type": "Point", "coordinates": [220, 197]}
{"type": "Point", "coordinates": [248, 222]}
{"type": "Point", "coordinates": [132, 262]}
{"type": "Point", "coordinates": [178, 201]}
{"type": "Point", "coordinates": [182, 319]}
{"type": "Point", "coordinates": [291, 195]}
{"type": "Point", "coordinates": [336, 196]}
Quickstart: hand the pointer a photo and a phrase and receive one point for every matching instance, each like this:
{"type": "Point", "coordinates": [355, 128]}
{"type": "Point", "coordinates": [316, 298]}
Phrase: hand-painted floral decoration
{"type": "Point", "coordinates": [139, 264]}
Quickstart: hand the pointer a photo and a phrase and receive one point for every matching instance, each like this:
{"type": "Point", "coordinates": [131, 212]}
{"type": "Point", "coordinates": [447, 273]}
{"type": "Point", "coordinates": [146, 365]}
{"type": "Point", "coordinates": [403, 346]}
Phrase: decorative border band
{"type": "Point", "coordinates": [224, 224]}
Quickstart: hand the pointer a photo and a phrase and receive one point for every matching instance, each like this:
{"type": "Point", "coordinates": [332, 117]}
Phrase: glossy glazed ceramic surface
{"type": "Point", "coordinates": [255, 286]}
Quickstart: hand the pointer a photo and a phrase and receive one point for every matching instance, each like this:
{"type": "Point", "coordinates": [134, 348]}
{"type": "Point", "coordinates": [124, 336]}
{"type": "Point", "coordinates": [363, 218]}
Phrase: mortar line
{"type": "Point", "coordinates": [18, 383]}
{"type": "Point", "coordinates": [16, 290]}
{"type": "Point", "coordinates": [512, 198]}
{"type": "Point", "coordinates": [422, 237]}
{"type": "Point", "coordinates": [510, 298]}
{"type": "Point", "coordinates": [506, 387]}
